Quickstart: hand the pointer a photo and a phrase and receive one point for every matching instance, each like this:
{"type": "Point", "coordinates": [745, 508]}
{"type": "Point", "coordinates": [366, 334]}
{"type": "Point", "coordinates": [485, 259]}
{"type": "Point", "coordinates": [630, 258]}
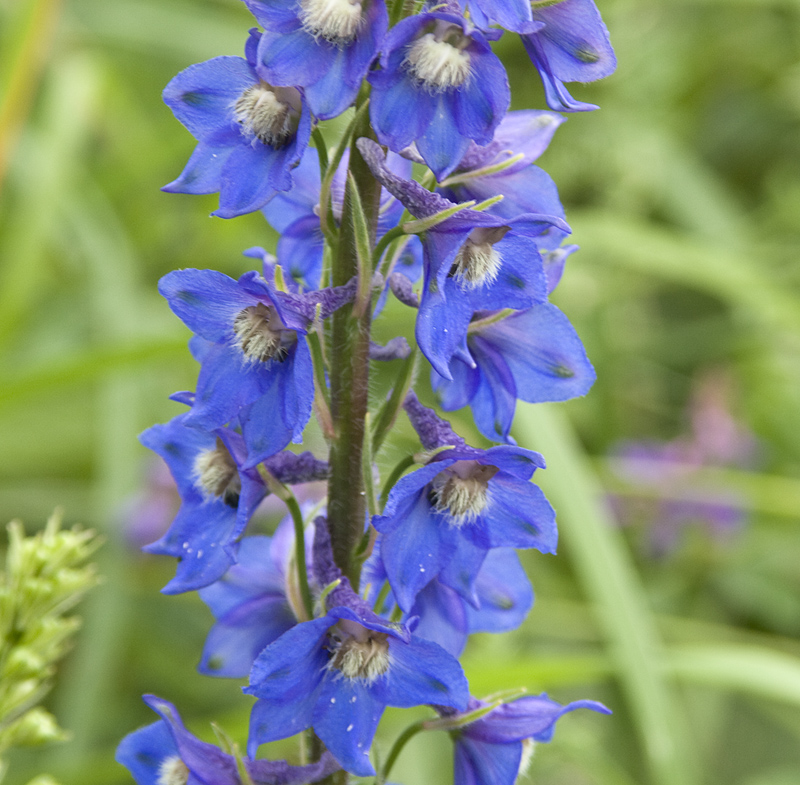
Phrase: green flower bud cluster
{"type": "Point", "coordinates": [45, 576]}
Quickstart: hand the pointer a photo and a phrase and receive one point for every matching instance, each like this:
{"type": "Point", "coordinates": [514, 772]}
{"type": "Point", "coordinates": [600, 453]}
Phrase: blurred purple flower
{"type": "Point", "coordinates": [715, 439]}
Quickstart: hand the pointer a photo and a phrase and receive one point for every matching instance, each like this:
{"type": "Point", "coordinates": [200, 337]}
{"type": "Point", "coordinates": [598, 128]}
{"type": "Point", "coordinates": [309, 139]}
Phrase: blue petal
{"type": "Point", "coordinates": [276, 15]}
{"type": "Point", "coordinates": [520, 281]}
{"type": "Point", "coordinates": [201, 96]}
{"type": "Point", "coordinates": [300, 251]}
{"type": "Point", "coordinates": [252, 174]}
{"type": "Point", "coordinates": [481, 763]}
{"type": "Point", "coordinates": [422, 672]}
{"type": "Point", "coordinates": [254, 575]}
{"type": "Point", "coordinates": [462, 569]}
{"type": "Point", "coordinates": [179, 446]}
{"type": "Point", "coordinates": [504, 592]}
{"type": "Point", "coordinates": [519, 516]}
{"type": "Point", "coordinates": [205, 761]}
{"type": "Point", "coordinates": [235, 641]}
{"type": "Point", "coordinates": [544, 354]}
{"type": "Point", "coordinates": [299, 202]}
{"type": "Point", "coordinates": [281, 412]}
{"type": "Point", "coordinates": [529, 190]}
{"type": "Point", "coordinates": [496, 397]}
{"type": "Point", "coordinates": [202, 173]}
{"type": "Point", "coordinates": [334, 90]}
{"type": "Point", "coordinates": [293, 58]}
{"type": "Point", "coordinates": [414, 551]}
{"type": "Point", "coordinates": [143, 751]}
{"type": "Point", "coordinates": [442, 617]}
{"type": "Point", "coordinates": [345, 718]}
{"type": "Point", "coordinates": [441, 326]}
{"type": "Point", "coordinates": [556, 95]}
{"type": "Point", "coordinates": [225, 385]}
{"type": "Point", "coordinates": [206, 301]}
{"type": "Point", "coordinates": [480, 105]}
{"type": "Point", "coordinates": [457, 392]}
{"type": "Point", "coordinates": [442, 145]}
{"type": "Point", "coordinates": [528, 717]}
{"type": "Point", "coordinates": [516, 461]}
{"type": "Point", "coordinates": [286, 678]}
{"type": "Point", "coordinates": [399, 110]}
{"type": "Point", "coordinates": [513, 15]}
{"type": "Point", "coordinates": [201, 537]}
{"type": "Point", "coordinates": [575, 41]}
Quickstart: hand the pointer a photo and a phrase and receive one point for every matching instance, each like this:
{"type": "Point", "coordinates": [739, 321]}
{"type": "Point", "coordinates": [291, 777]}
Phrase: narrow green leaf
{"type": "Point", "coordinates": [753, 670]}
{"type": "Point", "coordinates": [388, 412]}
{"type": "Point", "coordinates": [363, 248]}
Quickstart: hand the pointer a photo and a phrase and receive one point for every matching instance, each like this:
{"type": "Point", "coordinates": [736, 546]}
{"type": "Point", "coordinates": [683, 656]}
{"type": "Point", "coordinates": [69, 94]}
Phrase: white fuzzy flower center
{"type": "Point", "coordinates": [358, 653]}
{"type": "Point", "coordinates": [336, 21]}
{"type": "Point", "coordinates": [461, 491]}
{"type": "Point", "coordinates": [260, 334]}
{"type": "Point", "coordinates": [439, 60]}
{"type": "Point", "coordinates": [263, 115]}
{"type": "Point", "coordinates": [172, 771]}
{"type": "Point", "coordinates": [217, 476]}
{"type": "Point", "coordinates": [478, 261]}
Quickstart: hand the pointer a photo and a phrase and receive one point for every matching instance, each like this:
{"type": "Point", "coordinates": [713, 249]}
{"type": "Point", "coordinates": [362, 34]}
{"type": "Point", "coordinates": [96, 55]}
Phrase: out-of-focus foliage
{"type": "Point", "coordinates": [45, 575]}
{"type": "Point", "coordinates": [684, 193]}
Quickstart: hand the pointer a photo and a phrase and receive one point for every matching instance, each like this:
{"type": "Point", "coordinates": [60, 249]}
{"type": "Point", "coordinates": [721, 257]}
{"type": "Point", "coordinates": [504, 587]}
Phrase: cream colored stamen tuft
{"type": "Point", "coordinates": [337, 21]}
{"type": "Point", "coordinates": [359, 653]}
{"type": "Point", "coordinates": [437, 64]}
{"type": "Point", "coordinates": [217, 475]}
{"type": "Point", "coordinates": [263, 115]}
{"type": "Point", "coordinates": [172, 771]}
{"type": "Point", "coordinates": [461, 491]}
{"type": "Point", "coordinates": [476, 264]}
{"type": "Point", "coordinates": [478, 261]}
{"type": "Point", "coordinates": [259, 333]}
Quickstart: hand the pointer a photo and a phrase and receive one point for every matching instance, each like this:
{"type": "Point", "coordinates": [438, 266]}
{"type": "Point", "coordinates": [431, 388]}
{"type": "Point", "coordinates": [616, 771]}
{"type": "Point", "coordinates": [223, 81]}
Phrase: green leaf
{"type": "Point", "coordinates": [753, 670]}
{"type": "Point", "coordinates": [363, 247]}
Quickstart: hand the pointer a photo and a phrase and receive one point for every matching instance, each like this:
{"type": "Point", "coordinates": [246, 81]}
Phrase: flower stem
{"type": "Point", "coordinates": [397, 748]}
{"type": "Point", "coordinates": [396, 474]}
{"type": "Point", "coordinates": [349, 371]}
{"type": "Point", "coordinates": [284, 493]}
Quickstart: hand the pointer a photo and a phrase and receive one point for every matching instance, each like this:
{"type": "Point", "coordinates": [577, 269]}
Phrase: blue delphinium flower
{"type": "Point", "coordinates": [440, 85]}
{"type": "Point", "coordinates": [337, 673]}
{"type": "Point", "coordinates": [218, 497]}
{"type": "Point", "coordinates": [525, 188]}
{"type": "Point", "coordinates": [533, 355]}
{"type": "Point", "coordinates": [472, 261]}
{"type": "Point", "coordinates": [492, 749]}
{"type": "Point", "coordinates": [322, 46]}
{"type": "Point", "coordinates": [572, 46]}
{"type": "Point", "coordinates": [442, 519]}
{"type": "Point", "coordinates": [250, 133]}
{"type": "Point", "coordinates": [255, 360]}
{"type": "Point", "coordinates": [165, 753]}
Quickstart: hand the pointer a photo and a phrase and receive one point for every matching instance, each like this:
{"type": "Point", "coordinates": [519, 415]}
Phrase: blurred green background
{"type": "Point", "coordinates": [684, 194]}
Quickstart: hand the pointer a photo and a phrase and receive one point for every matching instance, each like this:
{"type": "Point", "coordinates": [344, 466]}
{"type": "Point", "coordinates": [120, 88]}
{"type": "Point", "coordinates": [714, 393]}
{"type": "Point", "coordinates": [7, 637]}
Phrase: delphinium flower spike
{"type": "Point", "coordinates": [371, 605]}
